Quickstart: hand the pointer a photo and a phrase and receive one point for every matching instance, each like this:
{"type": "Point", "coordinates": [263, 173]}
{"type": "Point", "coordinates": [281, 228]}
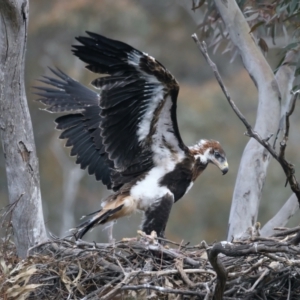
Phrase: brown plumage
{"type": "Point", "coordinates": [127, 135]}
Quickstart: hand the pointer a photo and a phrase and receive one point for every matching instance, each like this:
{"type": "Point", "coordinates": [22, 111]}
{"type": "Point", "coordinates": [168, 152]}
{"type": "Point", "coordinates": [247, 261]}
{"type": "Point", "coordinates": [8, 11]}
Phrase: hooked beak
{"type": "Point", "coordinates": [222, 166]}
{"type": "Point", "coordinates": [225, 169]}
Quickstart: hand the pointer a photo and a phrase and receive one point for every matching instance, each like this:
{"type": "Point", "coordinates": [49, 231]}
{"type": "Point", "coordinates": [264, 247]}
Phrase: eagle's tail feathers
{"type": "Point", "coordinates": [91, 214]}
{"type": "Point", "coordinates": [101, 217]}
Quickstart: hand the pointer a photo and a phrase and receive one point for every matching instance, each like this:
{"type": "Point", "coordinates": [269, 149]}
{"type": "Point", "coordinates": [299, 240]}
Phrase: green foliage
{"type": "Point", "coordinates": [267, 19]}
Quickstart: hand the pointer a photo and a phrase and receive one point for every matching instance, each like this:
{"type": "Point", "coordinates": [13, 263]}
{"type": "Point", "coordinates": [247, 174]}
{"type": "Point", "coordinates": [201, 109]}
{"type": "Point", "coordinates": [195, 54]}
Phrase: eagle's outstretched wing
{"type": "Point", "coordinates": [138, 104]}
{"type": "Point", "coordinates": [81, 126]}
{"type": "Point", "coordinates": [128, 127]}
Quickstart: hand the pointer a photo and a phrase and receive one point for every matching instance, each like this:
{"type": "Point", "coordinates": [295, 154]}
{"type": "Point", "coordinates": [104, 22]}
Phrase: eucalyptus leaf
{"type": "Point", "coordinates": [255, 26]}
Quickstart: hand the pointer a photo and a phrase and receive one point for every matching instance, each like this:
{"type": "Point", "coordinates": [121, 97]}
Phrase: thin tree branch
{"type": "Point", "coordinates": [287, 126]}
{"type": "Point", "coordinates": [162, 290]}
{"type": "Point", "coordinates": [203, 48]}
{"type": "Point", "coordinates": [285, 77]}
{"type": "Point", "coordinates": [263, 274]}
{"type": "Point", "coordinates": [287, 167]}
{"type": "Point", "coordinates": [183, 274]}
{"type": "Point", "coordinates": [245, 272]}
{"type": "Point", "coordinates": [236, 250]}
{"type": "Point", "coordinates": [148, 247]}
{"type": "Point", "coordinates": [286, 232]}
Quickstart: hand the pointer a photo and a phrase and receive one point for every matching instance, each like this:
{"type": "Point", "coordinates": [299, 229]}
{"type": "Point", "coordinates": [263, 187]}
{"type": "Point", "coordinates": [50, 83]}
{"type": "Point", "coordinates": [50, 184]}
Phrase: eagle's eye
{"type": "Point", "coordinates": [217, 155]}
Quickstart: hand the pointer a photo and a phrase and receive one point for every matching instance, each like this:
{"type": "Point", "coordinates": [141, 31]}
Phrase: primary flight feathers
{"type": "Point", "coordinates": [127, 134]}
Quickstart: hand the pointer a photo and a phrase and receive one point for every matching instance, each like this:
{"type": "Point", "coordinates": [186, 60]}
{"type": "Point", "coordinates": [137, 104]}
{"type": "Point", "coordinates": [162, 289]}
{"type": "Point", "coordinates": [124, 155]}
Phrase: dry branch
{"type": "Point", "coordinates": [287, 167]}
{"type": "Point", "coordinates": [257, 248]}
{"type": "Point", "coordinates": [141, 268]}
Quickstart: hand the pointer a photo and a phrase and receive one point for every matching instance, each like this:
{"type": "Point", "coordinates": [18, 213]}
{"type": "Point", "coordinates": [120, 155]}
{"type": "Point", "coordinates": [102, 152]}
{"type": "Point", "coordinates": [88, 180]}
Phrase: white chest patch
{"type": "Point", "coordinates": [148, 191]}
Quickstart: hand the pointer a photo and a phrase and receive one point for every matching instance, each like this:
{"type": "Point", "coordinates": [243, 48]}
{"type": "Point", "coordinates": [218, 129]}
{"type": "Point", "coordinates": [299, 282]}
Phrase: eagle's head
{"type": "Point", "coordinates": [210, 151]}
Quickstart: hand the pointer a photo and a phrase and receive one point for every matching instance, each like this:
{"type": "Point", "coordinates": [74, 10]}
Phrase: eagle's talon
{"type": "Point", "coordinates": [135, 109]}
{"type": "Point", "coordinates": [151, 238]}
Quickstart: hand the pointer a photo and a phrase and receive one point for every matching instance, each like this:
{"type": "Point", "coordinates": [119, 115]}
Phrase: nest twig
{"type": "Point", "coordinates": [254, 268]}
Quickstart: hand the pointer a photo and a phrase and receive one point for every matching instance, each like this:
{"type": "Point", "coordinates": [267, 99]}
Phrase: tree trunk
{"type": "Point", "coordinates": [255, 159]}
{"type": "Point", "coordinates": [16, 129]}
{"type": "Point", "coordinates": [290, 207]}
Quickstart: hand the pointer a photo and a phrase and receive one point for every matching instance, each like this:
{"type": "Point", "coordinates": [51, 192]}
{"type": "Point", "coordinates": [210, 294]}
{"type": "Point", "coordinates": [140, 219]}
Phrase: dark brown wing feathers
{"type": "Point", "coordinates": [108, 132]}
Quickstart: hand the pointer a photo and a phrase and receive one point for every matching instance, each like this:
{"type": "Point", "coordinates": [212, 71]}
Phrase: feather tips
{"type": "Point", "coordinates": [67, 95]}
{"type": "Point", "coordinates": [113, 133]}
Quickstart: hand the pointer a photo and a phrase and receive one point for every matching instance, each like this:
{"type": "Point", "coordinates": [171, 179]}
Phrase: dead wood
{"type": "Point", "coordinates": [253, 268]}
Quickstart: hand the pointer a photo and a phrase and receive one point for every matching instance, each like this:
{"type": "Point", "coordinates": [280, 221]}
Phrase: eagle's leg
{"type": "Point", "coordinates": [157, 215]}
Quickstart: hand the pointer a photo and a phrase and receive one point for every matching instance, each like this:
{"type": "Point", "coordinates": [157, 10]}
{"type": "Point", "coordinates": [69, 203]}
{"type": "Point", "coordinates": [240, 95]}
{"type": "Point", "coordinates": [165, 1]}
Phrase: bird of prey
{"type": "Point", "coordinates": [127, 134]}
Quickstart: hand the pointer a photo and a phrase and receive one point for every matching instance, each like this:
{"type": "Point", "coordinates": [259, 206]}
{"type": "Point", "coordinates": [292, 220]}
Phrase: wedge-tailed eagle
{"type": "Point", "coordinates": [127, 134]}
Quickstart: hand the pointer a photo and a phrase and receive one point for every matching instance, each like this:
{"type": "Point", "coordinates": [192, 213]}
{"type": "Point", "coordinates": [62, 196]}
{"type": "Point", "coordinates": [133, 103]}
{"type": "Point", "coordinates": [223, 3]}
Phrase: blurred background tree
{"type": "Point", "coordinates": [162, 29]}
{"type": "Point", "coordinates": [246, 26]}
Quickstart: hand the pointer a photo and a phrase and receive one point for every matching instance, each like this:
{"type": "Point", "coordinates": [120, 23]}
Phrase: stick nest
{"type": "Point", "coordinates": [142, 268]}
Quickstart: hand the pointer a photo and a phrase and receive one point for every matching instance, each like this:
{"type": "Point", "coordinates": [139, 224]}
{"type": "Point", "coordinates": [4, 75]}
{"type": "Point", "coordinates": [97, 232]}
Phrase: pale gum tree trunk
{"type": "Point", "coordinates": [290, 207]}
{"type": "Point", "coordinates": [285, 78]}
{"type": "Point", "coordinates": [255, 159]}
{"type": "Point", "coordinates": [16, 129]}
